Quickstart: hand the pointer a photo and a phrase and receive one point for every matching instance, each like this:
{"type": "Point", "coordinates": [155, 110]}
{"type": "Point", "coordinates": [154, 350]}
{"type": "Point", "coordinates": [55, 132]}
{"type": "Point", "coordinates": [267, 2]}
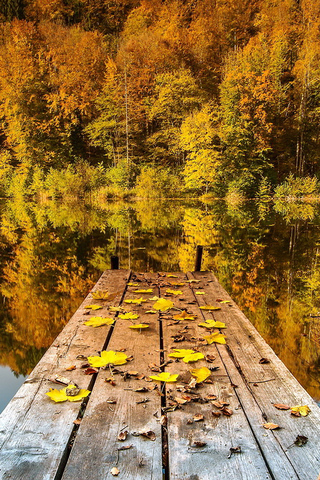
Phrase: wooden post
{"type": "Point", "coordinates": [114, 262]}
{"type": "Point", "coordinates": [197, 266]}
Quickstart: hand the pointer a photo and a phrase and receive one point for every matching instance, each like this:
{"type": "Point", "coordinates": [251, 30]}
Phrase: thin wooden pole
{"type": "Point", "coordinates": [197, 265]}
{"type": "Point", "coordinates": [114, 262]}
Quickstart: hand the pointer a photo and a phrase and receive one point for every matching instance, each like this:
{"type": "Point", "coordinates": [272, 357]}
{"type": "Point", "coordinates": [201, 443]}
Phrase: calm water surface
{"type": "Point", "coordinates": [266, 256]}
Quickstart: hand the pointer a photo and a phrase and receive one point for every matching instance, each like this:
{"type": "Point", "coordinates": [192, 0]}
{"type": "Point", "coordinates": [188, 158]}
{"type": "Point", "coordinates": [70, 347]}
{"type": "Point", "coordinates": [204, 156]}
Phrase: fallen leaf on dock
{"type": "Point", "coordinates": [212, 324]}
{"type": "Point", "coordinates": [99, 321]}
{"type": "Point", "coordinates": [133, 284]}
{"type": "Point", "coordinates": [177, 284]}
{"type": "Point", "coordinates": [215, 338]}
{"type": "Point", "coordinates": [173, 292]}
{"type": "Point", "coordinates": [108, 358]}
{"type": "Point", "coordinates": [135, 300]}
{"type": "Point", "coordinates": [90, 371]}
{"type": "Point", "coordinates": [234, 450]}
{"type": "Point", "coordinates": [165, 377]}
{"type": "Point", "coordinates": [180, 353]}
{"type": "Point", "coordinates": [72, 367]}
{"type": "Point", "coordinates": [183, 316]}
{"type": "Point", "coordinates": [281, 406]}
{"type": "Point", "coordinates": [115, 309]}
{"type": "Point", "coordinates": [300, 440]}
{"type": "Point", "coordinates": [149, 290]}
{"type": "Point", "coordinates": [200, 374]}
{"type": "Point", "coordinates": [199, 292]}
{"type": "Point", "coordinates": [128, 316]}
{"type": "Point", "coordinates": [198, 417]}
{"type": "Point", "coordinates": [61, 395]}
{"type": "Point", "coordinates": [193, 357]}
{"type": "Point", "coordinates": [151, 311]}
{"type": "Point", "coordinates": [210, 308]}
{"type": "Point", "coordinates": [300, 410]}
{"type": "Point", "coordinates": [123, 436]}
{"type": "Point", "coordinates": [114, 471]}
{"type": "Point", "coordinates": [100, 295]}
{"type": "Point", "coordinates": [270, 426]}
{"type": "Point", "coordinates": [227, 411]}
{"type": "Point", "coordinates": [193, 281]}
{"type": "Point", "coordinates": [199, 444]}
{"type": "Point", "coordinates": [162, 304]}
{"type": "Point", "coordinates": [264, 361]}
{"type": "Point", "coordinates": [210, 358]}
{"type": "Point", "coordinates": [139, 326]}
{"type": "Point", "coordinates": [150, 435]}
{"type": "Point", "coordinates": [172, 276]}
{"type": "Point", "coordinates": [93, 307]}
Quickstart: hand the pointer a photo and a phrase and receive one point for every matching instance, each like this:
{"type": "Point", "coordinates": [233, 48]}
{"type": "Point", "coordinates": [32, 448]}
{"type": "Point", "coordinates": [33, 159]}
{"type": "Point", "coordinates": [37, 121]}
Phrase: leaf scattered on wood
{"type": "Point", "coordinates": [139, 326]}
{"type": "Point", "coordinates": [72, 367]}
{"type": "Point", "coordinates": [133, 284]}
{"type": "Point", "coordinates": [215, 338]}
{"type": "Point", "coordinates": [234, 450]}
{"type": "Point", "coordinates": [177, 284]}
{"type": "Point", "coordinates": [300, 410]}
{"type": "Point", "coordinates": [123, 436]}
{"type": "Point", "coordinates": [172, 276]}
{"type": "Point", "coordinates": [108, 358]}
{"type": "Point", "coordinates": [216, 414]}
{"type": "Point", "coordinates": [150, 435]}
{"type": "Point", "coordinates": [137, 301]}
{"type": "Point", "coordinates": [193, 281]}
{"type": "Point", "coordinates": [128, 316]}
{"type": "Point", "coordinates": [77, 421]}
{"type": "Point", "coordinates": [62, 396]}
{"type": "Point", "coordinates": [210, 308]}
{"type": "Point", "coordinates": [151, 311]}
{"type": "Point", "coordinates": [210, 358]}
{"type": "Point", "coordinates": [271, 426]}
{"type": "Point", "coordinates": [165, 377]}
{"type": "Point", "coordinates": [212, 324]}
{"type": "Point", "coordinates": [90, 371]}
{"type": "Point", "coordinates": [281, 406]}
{"type": "Point", "coordinates": [114, 471]}
{"type": "Point", "coordinates": [180, 400]}
{"type": "Point", "coordinates": [226, 411]}
{"type": "Point", "coordinates": [93, 307]}
{"type": "Point", "coordinates": [103, 295]}
{"type": "Point", "coordinates": [115, 309]}
{"type": "Point", "coordinates": [183, 316]}
{"type": "Point", "coordinates": [148, 290]}
{"type": "Point", "coordinates": [154, 368]}
{"type": "Point", "coordinates": [99, 321]}
{"type": "Point", "coordinates": [264, 361]}
{"type": "Point", "coordinates": [199, 444]}
{"type": "Point", "coordinates": [300, 440]}
{"type": "Point", "coordinates": [198, 417]}
{"type": "Point", "coordinates": [163, 305]}
{"type": "Point", "coordinates": [199, 292]}
{"type": "Point", "coordinates": [193, 357]}
{"type": "Point", "coordinates": [200, 374]}
{"type": "Point", "coordinates": [124, 447]}
{"type": "Point", "coordinates": [180, 353]}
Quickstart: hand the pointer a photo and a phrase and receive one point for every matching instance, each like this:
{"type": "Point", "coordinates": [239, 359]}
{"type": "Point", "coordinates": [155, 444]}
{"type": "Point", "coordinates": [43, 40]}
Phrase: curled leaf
{"type": "Point", "coordinates": [210, 308]}
{"type": "Point", "coordinates": [162, 304]}
{"type": "Point", "coordinates": [271, 426]}
{"type": "Point", "coordinates": [165, 377]}
{"type": "Point", "coordinates": [215, 338]}
{"type": "Point", "coordinates": [201, 374]}
{"type": "Point", "coordinates": [183, 316]}
{"type": "Point", "coordinates": [151, 311]}
{"type": "Point", "coordinates": [99, 321]}
{"type": "Point", "coordinates": [133, 284]}
{"type": "Point", "coordinates": [61, 395]}
{"type": "Point", "coordinates": [108, 358]}
{"type": "Point", "coordinates": [281, 406]}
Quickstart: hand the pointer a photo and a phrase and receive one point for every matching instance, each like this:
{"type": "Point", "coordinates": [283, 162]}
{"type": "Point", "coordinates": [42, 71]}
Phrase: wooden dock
{"type": "Point", "coordinates": [133, 427]}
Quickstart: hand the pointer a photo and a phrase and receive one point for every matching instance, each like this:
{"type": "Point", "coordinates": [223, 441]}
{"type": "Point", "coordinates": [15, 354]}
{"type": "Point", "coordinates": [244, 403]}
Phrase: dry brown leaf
{"type": "Point", "coordinates": [90, 371]}
{"type": "Point", "coordinates": [114, 471]}
{"type": "Point", "coordinates": [72, 367]}
{"type": "Point", "coordinates": [227, 411]}
{"type": "Point", "coordinates": [77, 422]}
{"type": "Point", "coordinates": [264, 360]}
{"type": "Point", "coordinates": [123, 436]}
{"type": "Point", "coordinates": [198, 417]}
{"type": "Point", "coordinates": [271, 426]}
{"type": "Point", "coordinates": [210, 358]}
{"type": "Point", "coordinates": [199, 444]}
{"type": "Point", "coordinates": [216, 414]}
{"type": "Point", "coordinates": [150, 435]}
{"type": "Point", "coordinates": [281, 406]}
{"type": "Point", "coordinates": [180, 400]}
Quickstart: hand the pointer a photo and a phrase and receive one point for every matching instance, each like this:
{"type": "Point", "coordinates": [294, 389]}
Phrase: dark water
{"type": "Point", "coordinates": [266, 256]}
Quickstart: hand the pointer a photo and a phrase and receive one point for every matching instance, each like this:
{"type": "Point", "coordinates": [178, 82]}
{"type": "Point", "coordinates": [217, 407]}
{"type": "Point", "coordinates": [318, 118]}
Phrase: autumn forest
{"type": "Point", "coordinates": [188, 96]}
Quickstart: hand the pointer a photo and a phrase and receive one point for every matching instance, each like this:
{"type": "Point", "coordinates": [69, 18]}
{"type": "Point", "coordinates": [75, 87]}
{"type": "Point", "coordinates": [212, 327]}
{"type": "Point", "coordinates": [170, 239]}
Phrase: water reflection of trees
{"type": "Point", "coordinates": [51, 254]}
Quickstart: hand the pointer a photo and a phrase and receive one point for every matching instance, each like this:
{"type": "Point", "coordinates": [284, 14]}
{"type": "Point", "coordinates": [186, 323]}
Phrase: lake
{"type": "Point", "coordinates": [266, 256]}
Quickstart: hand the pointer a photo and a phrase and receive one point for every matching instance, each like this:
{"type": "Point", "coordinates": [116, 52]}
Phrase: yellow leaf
{"type": "Point", "coordinates": [210, 307]}
{"type": "Point", "coordinates": [173, 292]}
{"type": "Point", "coordinates": [149, 290]}
{"type": "Point", "coordinates": [180, 353]}
{"type": "Point", "coordinates": [154, 299]}
{"type": "Point", "coordinates": [61, 396]}
{"type": "Point", "coordinates": [225, 301]}
{"type": "Point", "coordinates": [135, 300]}
{"type": "Point", "coordinates": [139, 325]}
{"type": "Point", "coordinates": [93, 307]}
{"type": "Point", "coordinates": [212, 324]}
{"type": "Point", "coordinates": [165, 377]}
{"type": "Point", "coordinates": [201, 374]}
{"type": "Point", "coordinates": [193, 281]}
{"type": "Point", "coordinates": [133, 284]}
{"type": "Point", "coordinates": [151, 311]}
{"type": "Point", "coordinates": [108, 357]}
{"type": "Point", "coordinates": [100, 295]}
{"type": "Point", "coordinates": [162, 304]}
{"type": "Point", "coordinates": [200, 293]}
{"type": "Point", "coordinates": [177, 284]}
{"type": "Point", "coordinates": [215, 338]}
{"type": "Point", "coordinates": [172, 276]}
{"type": "Point", "coordinates": [193, 357]}
{"type": "Point", "coordinates": [304, 410]}
{"type": "Point", "coordinates": [99, 321]}
{"type": "Point", "coordinates": [115, 309]}
{"type": "Point", "coordinates": [128, 316]}
{"type": "Point", "coordinates": [183, 316]}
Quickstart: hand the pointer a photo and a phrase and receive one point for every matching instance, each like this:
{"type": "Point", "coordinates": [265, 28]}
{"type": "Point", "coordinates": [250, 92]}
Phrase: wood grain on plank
{"type": "Point", "coordinates": [219, 434]}
{"type": "Point", "coordinates": [246, 348]}
{"type": "Point", "coordinates": [34, 431]}
{"type": "Point", "coordinates": [95, 451]}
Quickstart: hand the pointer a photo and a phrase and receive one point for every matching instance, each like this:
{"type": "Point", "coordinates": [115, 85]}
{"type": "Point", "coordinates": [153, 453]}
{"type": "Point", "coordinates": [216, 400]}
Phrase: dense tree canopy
{"type": "Point", "coordinates": [225, 93]}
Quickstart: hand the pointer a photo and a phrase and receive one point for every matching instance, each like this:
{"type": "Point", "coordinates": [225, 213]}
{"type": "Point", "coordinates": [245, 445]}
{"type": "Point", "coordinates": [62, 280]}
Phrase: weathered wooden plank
{"type": "Point", "coordinates": [263, 385]}
{"type": "Point", "coordinates": [187, 461]}
{"type": "Point", "coordinates": [34, 432]}
{"type": "Point", "coordinates": [95, 451]}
